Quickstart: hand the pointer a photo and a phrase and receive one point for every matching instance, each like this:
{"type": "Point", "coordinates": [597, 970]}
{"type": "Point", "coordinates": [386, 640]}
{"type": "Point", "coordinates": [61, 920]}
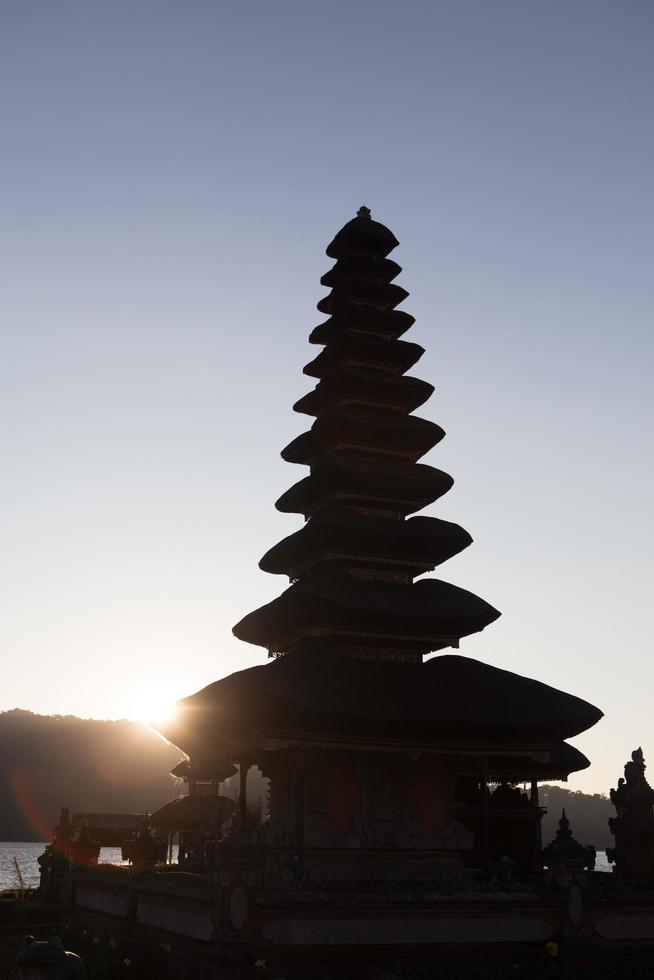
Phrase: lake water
{"type": "Point", "coordinates": [26, 855]}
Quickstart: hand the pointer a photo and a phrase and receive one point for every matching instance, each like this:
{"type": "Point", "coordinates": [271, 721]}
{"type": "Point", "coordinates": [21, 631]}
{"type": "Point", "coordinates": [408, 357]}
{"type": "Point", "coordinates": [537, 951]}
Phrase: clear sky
{"type": "Point", "coordinates": [171, 173]}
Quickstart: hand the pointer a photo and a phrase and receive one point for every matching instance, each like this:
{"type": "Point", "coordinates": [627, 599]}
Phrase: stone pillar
{"type": "Point", "coordinates": [484, 818]}
{"type": "Point", "coordinates": [243, 794]}
{"type": "Point", "coordinates": [535, 803]}
{"type": "Point", "coordinates": [300, 810]}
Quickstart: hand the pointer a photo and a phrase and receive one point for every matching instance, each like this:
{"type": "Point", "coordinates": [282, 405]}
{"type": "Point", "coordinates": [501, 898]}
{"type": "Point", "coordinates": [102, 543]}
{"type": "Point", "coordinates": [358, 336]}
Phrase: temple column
{"type": "Point", "coordinates": [484, 818]}
{"type": "Point", "coordinates": [243, 796]}
{"type": "Point", "coordinates": [535, 803]}
{"type": "Point", "coordinates": [300, 810]}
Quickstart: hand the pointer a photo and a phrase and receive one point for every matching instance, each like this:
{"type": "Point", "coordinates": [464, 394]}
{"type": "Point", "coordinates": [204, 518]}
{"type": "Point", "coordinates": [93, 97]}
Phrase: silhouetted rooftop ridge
{"type": "Point", "coordinates": [364, 235]}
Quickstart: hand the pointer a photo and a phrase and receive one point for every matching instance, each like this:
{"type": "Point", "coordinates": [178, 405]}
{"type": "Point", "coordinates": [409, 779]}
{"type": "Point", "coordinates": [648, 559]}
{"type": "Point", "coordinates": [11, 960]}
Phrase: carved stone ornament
{"type": "Point", "coordinates": [633, 825]}
{"type": "Point", "coordinates": [565, 854]}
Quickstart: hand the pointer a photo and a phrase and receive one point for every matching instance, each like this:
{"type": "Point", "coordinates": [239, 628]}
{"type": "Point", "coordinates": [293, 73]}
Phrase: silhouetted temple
{"type": "Point", "coordinates": [381, 763]}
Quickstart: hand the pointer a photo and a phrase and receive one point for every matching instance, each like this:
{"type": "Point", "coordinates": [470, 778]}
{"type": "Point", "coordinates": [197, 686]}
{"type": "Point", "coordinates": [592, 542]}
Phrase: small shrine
{"type": "Point", "coordinates": [633, 825]}
{"type": "Point", "coordinates": [383, 760]}
{"type": "Point", "coordinates": [564, 855]}
{"type": "Point", "coordinates": [72, 846]}
{"type": "Point", "coordinates": [145, 850]}
{"type": "Point", "coordinates": [198, 818]}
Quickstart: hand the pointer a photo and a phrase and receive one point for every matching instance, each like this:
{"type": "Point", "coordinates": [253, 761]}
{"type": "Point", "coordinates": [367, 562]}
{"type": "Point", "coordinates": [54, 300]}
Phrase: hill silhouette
{"type": "Point", "coordinates": [588, 815]}
{"type": "Point", "coordinates": [48, 761]}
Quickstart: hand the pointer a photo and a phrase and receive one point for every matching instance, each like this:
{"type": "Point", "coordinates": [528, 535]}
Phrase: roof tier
{"type": "Point", "coordinates": [374, 389]}
{"type": "Point", "coordinates": [355, 350]}
{"type": "Point", "coordinates": [361, 264]}
{"type": "Point", "coordinates": [216, 770]}
{"type": "Point", "coordinates": [360, 289]}
{"type": "Point", "coordinates": [192, 814]}
{"type": "Point", "coordinates": [411, 619]}
{"type": "Point", "coordinates": [338, 534]}
{"type": "Point", "coordinates": [363, 318]}
{"type": "Point", "coordinates": [309, 693]}
{"type": "Point", "coordinates": [364, 480]}
{"type": "Point", "coordinates": [353, 429]}
{"type": "Point", "coordinates": [397, 486]}
{"type": "Point", "coordinates": [362, 234]}
{"type": "Point", "coordinates": [562, 759]}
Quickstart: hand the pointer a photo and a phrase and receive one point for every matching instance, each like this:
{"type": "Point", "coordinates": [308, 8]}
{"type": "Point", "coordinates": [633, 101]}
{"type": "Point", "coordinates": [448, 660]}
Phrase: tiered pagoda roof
{"type": "Point", "coordinates": [312, 697]}
{"type": "Point", "coordinates": [353, 627]}
{"type": "Point", "coordinates": [353, 563]}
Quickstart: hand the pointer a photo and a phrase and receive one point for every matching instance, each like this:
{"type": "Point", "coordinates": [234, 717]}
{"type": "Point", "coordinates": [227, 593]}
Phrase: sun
{"type": "Point", "coordinates": [152, 710]}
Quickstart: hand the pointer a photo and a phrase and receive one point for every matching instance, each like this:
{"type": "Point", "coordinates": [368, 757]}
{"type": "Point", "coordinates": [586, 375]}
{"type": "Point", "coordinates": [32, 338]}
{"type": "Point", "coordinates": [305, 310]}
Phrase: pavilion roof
{"type": "Point", "coordinates": [563, 759]}
{"type": "Point", "coordinates": [451, 698]}
{"type": "Point", "coordinates": [217, 770]}
{"type": "Point", "coordinates": [192, 814]}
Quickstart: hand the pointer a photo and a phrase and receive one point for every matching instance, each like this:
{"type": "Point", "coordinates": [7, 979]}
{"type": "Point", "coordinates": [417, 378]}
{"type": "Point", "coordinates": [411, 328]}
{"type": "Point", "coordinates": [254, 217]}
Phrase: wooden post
{"type": "Point", "coordinates": [300, 808]}
{"type": "Point", "coordinates": [484, 818]}
{"type": "Point", "coordinates": [243, 794]}
{"type": "Point", "coordinates": [535, 804]}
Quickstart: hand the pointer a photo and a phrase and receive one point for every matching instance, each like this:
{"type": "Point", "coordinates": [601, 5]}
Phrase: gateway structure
{"type": "Point", "coordinates": [382, 764]}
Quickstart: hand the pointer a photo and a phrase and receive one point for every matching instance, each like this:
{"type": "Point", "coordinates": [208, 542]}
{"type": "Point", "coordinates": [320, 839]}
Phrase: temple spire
{"type": "Point", "coordinates": [352, 565]}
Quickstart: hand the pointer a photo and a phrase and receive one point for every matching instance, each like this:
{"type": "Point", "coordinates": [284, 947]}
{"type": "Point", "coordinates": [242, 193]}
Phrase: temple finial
{"type": "Point", "coordinates": [363, 212]}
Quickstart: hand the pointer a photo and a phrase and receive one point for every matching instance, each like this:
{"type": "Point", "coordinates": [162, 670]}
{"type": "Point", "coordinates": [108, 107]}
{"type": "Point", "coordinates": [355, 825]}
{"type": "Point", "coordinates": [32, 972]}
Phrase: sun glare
{"type": "Point", "coordinates": [152, 711]}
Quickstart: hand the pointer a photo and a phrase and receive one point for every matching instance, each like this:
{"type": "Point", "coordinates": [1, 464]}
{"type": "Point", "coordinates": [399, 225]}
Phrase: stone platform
{"type": "Point", "coordinates": [220, 926]}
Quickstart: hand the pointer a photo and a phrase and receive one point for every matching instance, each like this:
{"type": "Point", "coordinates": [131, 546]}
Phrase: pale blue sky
{"type": "Point", "coordinates": [171, 173]}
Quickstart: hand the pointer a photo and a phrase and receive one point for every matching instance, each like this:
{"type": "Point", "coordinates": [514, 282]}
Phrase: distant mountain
{"type": "Point", "coordinates": [588, 815]}
{"type": "Point", "coordinates": [50, 761]}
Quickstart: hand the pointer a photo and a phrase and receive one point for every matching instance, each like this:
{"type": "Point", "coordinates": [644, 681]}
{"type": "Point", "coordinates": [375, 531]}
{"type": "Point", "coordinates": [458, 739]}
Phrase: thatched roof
{"type": "Point", "coordinates": [192, 814]}
{"type": "Point", "coordinates": [360, 264]}
{"type": "Point", "coordinates": [217, 770]}
{"type": "Point", "coordinates": [317, 690]}
{"type": "Point", "coordinates": [384, 295]}
{"type": "Point", "coordinates": [402, 486]}
{"type": "Point", "coordinates": [362, 234]}
{"type": "Point", "coordinates": [355, 426]}
{"type": "Point", "coordinates": [424, 541]}
{"type": "Point", "coordinates": [392, 355]}
{"type": "Point", "coordinates": [426, 615]}
{"type": "Point", "coordinates": [387, 323]}
{"type": "Point", "coordinates": [563, 760]}
{"type": "Point", "coordinates": [402, 392]}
